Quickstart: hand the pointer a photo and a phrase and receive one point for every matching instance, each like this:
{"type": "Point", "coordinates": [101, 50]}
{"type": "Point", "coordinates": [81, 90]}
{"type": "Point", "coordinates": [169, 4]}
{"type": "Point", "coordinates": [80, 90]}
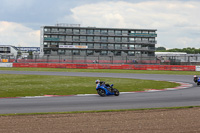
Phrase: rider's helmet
{"type": "Point", "coordinates": [97, 81]}
{"type": "Point", "coordinates": [195, 76]}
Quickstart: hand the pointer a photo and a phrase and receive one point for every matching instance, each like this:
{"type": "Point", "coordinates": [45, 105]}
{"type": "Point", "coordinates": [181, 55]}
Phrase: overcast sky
{"type": "Point", "coordinates": [177, 21]}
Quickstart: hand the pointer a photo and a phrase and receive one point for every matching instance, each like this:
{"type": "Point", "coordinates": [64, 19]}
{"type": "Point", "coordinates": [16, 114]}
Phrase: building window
{"type": "Point", "coordinates": [124, 39]}
{"type": "Point", "coordinates": [75, 38]}
{"type": "Point", "coordinates": [151, 54]}
{"type": "Point", "coordinates": [75, 43]}
{"type": "Point", "coordinates": [61, 51]}
{"type": "Point", "coordinates": [68, 43]}
{"type": "Point", "coordinates": [76, 31]}
{"type": "Point", "coordinates": [144, 39]}
{"type": "Point", "coordinates": [103, 53]}
{"type": "Point", "coordinates": [151, 32]}
{"type": "Point", "coordinates": [104, 39]}
{"type": "Point", "coordinates": [117, 46]}
{"type": "Point", "coordinates": [125, 53]}
{"type": "Point", "coordinates": [131, 53]}
{"type": "Point", "coordinates": [90, 52]}
{"type": "Point", "coordinates": [68, 52]}
{"type": "Point", "coordinates": [90, 45]}
{"type": "Point", "coordinates": [68, 38]}
{"type": "Point", "coordinates": [54, 43]}
{"type": "Point", "coordinates": [46, 30]}
{"type": "Point", "coordinates": [110, 53]}
{"type": "Point", "coordinates": [152, 47]}
{"type": "Point", "coordinates": [61, 38]}
{"type": "Point", "coordinates": [118, 32]}
{"type": "Point", "coordinates": [110, 39]}
{"type": "Point", "coordinates": [110, 46]}
{"type": "Point", "coordinates": [90, 31]}
{"type": "Point", "coordinates": [97, 45]}
{"type": "Point", "coordinates": [145, 32]}
{"type": "Point", "coordinates": [111, 32]}
{"type": "Point", "coordinates": [83, 52]}
{"type": "Point", "coordinates": [96, 31]}
{"type": "Point", "coordinates": [104, 46]}
{"type": "Point", "coordinates": [96, 38]}
{"type": "Point", "coordinates": [47, 52]}
{"type": "Point", "coordinates": [76, 52]}
{"type": "Point", "coordinates": [104, 32]}
{"type": "Point", "coordinates": [83, 44]}
{"type": "Point", "coordinates": [69, 30]}
{"type": "Point", "coordinates": [151, 39]}
{"type": "Point", "coordinates": [61, 30]}
{"type": "Point", "coordinates": [46, 36]}
{"type": "Point", "coordinates": [117, 39]}
{"type": "Point", "coordinates": [97, 52]}
{"type": "Point", "coordinates": [117, 53]}
{"type": "Point", "coordinates": [138, 39]}
{"type": "Point", "coordinates": [82, 38]}
{"type": "Point", "coordinates": [131, 39]}
{"type": "Point", "coordinates": [131, 46]}
{"type": "Point", "coordinates": [137, 52]}
{"type": "Point", "coordinates": [144, 52]}
{"type": "Point", "coordinates": [54, 36]}
{"type": "Point", "coordinates": [137, 46]}
{"type": "Point", "coordinates": [124, 46]}
{"type": "Point", "coordinates": [83, 31]}
{"type": "Point", "coordinates": [90, 38]}
{"type": "Point", "coordinates": [124, 32]}
{"type": "Point", "coordinates": [138, 31]}
{"type": "Point", "coordinates": [54, 30]}
{"type": "Point", "coordinates": [61, 43]}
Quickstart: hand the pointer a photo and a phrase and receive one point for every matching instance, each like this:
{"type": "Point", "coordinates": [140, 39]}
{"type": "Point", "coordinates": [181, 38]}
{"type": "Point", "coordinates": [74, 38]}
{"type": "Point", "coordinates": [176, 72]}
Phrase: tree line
{"type": "Point", "coordinates": [188, 50]}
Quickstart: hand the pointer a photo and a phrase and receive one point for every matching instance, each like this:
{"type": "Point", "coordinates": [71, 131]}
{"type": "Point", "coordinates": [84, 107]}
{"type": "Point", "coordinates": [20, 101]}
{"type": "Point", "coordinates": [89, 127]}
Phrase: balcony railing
{"type": "Point", "coordinates": [143, 35]}
{"type": "Point", "coordinates": [101, 33]}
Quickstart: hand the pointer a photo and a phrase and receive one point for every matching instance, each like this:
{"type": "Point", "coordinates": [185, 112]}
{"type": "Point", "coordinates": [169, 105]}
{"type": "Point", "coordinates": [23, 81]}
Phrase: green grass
{"type": "Point", "coordinates": [105, 71]}
{"type": "Point", "coordinates": [100, 111]}
{"type": "Point", "coordinates": [39, 85]}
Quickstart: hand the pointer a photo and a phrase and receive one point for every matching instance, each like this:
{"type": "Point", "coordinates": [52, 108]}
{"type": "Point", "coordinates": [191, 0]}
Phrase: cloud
{"type": "Point", "coordinates": [18, 35]}
{"type": "Point", "coordinates": [174, 20]}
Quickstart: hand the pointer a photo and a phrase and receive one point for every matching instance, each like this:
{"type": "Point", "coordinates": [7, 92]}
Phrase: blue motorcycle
{"type": "Point", "coordinates": [106, 89]}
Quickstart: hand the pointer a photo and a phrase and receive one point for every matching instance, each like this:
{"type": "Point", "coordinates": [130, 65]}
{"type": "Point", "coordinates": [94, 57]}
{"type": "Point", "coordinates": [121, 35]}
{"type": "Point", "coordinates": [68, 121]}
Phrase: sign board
{"type": "Point", "coordinates": [197, 68]}
{"type": "Point", "coordinates": [6, 64]}
{"type": "Point", "coordinates": [72, 46]}
{"type": "Point", "coordinates": [28, 48]}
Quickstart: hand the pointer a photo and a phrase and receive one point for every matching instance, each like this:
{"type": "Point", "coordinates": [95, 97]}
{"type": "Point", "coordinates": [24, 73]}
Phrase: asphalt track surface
{"type": "Point", "coordinates": [171, 98]}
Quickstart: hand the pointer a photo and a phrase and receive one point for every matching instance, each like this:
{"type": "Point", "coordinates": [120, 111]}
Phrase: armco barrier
{"type": "Point", "coordinates": [108, 66]}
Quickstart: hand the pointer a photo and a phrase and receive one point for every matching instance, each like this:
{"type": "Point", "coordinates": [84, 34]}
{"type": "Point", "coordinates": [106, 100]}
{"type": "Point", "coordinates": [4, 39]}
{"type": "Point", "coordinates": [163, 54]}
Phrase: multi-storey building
{"type": "Point", "coordinates": [93, 41]}
{"type": "Point", "coordinates": [7, 51]}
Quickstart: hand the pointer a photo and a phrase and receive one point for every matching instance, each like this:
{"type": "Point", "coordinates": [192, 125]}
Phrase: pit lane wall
{"type": "Point", "coordinates": [109, 66]}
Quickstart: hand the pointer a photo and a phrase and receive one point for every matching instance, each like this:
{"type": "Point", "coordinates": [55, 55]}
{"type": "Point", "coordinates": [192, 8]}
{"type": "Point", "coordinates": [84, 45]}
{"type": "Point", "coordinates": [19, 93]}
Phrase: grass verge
{"type": "Point", "coordinates": [100, 111]}
{"type": "Point", "coordinates": [38, 85]}
{"type": "Point", "coordinates": [105, 71]}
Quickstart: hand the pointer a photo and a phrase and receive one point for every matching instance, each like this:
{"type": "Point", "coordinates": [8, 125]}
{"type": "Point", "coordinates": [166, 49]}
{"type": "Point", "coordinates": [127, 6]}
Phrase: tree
{"type": "Point", "coordinates": [160, 49]}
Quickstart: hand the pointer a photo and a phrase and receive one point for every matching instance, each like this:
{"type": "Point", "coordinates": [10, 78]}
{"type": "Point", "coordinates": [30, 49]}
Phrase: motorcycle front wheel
{"type": "Point", "coordinates": [101, 92]}
{"type": "Point", "coordinates": [116, 92]}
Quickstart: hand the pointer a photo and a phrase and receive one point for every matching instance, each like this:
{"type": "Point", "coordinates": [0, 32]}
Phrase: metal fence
{"type": "Point", "coordinates": [160, 60]}
{"type": "Point", "coordinates": [82, 59]}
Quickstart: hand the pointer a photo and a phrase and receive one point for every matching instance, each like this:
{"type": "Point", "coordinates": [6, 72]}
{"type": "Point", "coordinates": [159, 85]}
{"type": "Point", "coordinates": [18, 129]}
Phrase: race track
{"type": "Point", "coordinates": [183, 97]}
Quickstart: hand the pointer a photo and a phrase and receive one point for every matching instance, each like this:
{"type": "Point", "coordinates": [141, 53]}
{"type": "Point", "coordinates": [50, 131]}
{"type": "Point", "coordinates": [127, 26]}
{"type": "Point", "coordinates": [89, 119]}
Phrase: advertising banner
{"type": "Point", "coordinates": [6, 64]}
{"type": "Point", "coordinates": [197, 68]}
